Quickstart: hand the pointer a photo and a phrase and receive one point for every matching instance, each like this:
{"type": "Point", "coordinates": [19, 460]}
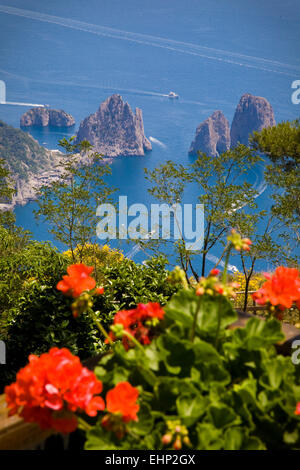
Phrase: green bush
{"type": "Point", "coordinates": [127, 284]}
{"type": "Point", "coordinates": [225, 389]}
{"type": "Point", "coordinates": [39, 316]}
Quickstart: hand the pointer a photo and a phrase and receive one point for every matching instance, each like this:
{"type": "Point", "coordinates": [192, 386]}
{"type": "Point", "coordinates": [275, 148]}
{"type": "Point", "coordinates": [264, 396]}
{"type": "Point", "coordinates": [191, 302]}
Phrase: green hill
{"type": "Point", "coordinates": [22, 153]}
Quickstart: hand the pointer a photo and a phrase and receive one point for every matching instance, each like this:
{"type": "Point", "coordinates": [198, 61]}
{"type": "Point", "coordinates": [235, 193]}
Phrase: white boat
{"type": "Point", "coordinates": [173, 95]}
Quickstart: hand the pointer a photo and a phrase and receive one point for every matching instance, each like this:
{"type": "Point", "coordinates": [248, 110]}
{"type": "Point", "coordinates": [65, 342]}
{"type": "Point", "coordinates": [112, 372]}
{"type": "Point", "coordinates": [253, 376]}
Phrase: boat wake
{"type": "Point", "coordinates": [214, 260]}
{"type": "Point", "coordinates": [157, 142]}
{"type": "Point", "coordinates": [196, 50]}
{"type": "Point", "coordinates": [14, 103]}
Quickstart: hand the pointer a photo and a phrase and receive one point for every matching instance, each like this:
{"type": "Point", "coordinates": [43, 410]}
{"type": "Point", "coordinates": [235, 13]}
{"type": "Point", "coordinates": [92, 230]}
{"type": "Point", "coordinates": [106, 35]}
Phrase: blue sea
{"type": "Point", "coordinates": [72, 55]}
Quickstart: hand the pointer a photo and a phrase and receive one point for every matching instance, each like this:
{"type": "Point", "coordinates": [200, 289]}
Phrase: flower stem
{"type": "Point", "coordinates": [99, 325]}
{"type": "Point", "coordinates": [193, 331]}
{"type": "Point", "coordinates": [132, 338]}
{"type": "Point", "coordinates": [224, 277]}
{"type": "Point", "coordinates": [218, 326]}
{"type": "Point", "coordinates": [221, 257]}
{"type": "Point", "coordinates": [82, 424]}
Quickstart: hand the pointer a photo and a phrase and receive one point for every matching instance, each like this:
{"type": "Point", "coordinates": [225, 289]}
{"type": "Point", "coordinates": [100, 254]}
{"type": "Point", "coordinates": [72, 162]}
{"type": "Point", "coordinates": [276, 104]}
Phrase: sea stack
{"type": "Point", "coordinates": [115, 130]}
{"type": "Point", "coordinates": [212, 136]}
{"type": "Point", "coordinates": [43, 117]}
{"type": "Point", "coordinates": [253, 113]}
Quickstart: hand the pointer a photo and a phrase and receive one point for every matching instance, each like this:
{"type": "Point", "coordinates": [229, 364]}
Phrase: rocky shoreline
{"type": "Point", "coordinates": [27, 189]}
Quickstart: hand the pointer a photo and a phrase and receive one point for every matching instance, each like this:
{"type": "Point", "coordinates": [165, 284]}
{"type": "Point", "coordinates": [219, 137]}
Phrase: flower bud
{"type": "Point", "coordinates": [200, 291]}
{"type": "Point", "coordinates": [177, 444]}
{"type": "Point", "coordinates": [187, 442]}
{"type": "Point", "coordinates": [166, 439]}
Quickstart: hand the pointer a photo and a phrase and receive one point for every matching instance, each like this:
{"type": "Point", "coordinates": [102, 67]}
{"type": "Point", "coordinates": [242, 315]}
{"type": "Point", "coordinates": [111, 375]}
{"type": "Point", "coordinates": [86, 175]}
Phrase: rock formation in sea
{"type": "Point", "coordinates": [253, 113]}
{"type": "Point", "coordinates": [42, 117]}
{"type": "Point", "coordinates": [115, 130]}
{"type": "Point", "coordinates": [212, 136]}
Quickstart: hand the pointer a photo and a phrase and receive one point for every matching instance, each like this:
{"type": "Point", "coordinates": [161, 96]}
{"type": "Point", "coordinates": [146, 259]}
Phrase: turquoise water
{"type": "Point", "coordinates": [210, 52]}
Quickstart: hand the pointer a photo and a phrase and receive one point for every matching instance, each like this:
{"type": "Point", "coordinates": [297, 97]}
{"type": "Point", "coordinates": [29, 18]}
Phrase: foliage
{"type": "Point", "coordinates": [7, 190]}
{"type": "Point", "coordinates": [256, 281]}
{"type": "Point", "coordinates": [281, 144]}
{"type": "Point", "coordinates": [227, 389]}
{"type": "Point", "coordinates": [69, 203]}
{"type": "Point", "coordinates": [127, 284]}
{"type": "Point", "coordinates": [22, 259]}
{"type": "Point", "coordinates": [228, 199]}
{"type": "Point", "coordinates": [21, 151]}
{"type": "Point", "coordinates": [93, 254]}
{"type": "Point", "coordinates": [36, 316]}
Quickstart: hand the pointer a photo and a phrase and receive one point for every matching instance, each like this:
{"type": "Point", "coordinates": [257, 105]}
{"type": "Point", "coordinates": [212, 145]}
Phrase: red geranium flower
{"type": "Point", "coordinates": [214, 272]}
{"type": "Point", "coordinates": [51, 388]}
{"type": "Point", "coordinates": [77, 281]}
{"type": "Point", "coordinates": [122, 399]}
{"type": "Point", "coordinates": [139, 322]}
{"type": "Point", "coordinates": [281, 289]}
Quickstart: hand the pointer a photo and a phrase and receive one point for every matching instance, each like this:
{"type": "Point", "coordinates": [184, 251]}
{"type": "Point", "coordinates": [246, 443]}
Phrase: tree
{"type": "Point", "coordinates": [7, 190]}
{"type": "Point", "coordinates": [281, 144]}
{"type": "Point", "coordinates": [69, 203]}
{"type": "Point", "coordinates": [228, 199]}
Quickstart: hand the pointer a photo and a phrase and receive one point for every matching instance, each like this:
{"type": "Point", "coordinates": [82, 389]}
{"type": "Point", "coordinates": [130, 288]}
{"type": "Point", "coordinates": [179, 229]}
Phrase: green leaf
{"type": "Point", "coordinates": [145, 421]}
{"type": "Point", "coordinates": [212, 311]}
{"type": "Point", "coordinates": [209, 438]}
{"type": "Point", "coordinates": [167, 390]}
{"type": "Point", "coordinates": [258, 334]}
{"type": "Point", "coordinates": [222, 415]}
{"type": "Point", "coordinates": [205, 352]}
{"type": "Point", "coordinates": [274, 372]}
{"type": "Point", "coordinates": [177, 354]}
{"type": "Point", "coordinates": [291, 437]}
{"type": "Point", "coordinates": [100, 439]}
{"type": "Point", "coordinates": [234, 438]}
{"type": "Point", "coordinates": [191, 407]}
{"type": "Point", "coordinates": [182, 306]}
{"type": "Point", "coordinates": [213, 374]}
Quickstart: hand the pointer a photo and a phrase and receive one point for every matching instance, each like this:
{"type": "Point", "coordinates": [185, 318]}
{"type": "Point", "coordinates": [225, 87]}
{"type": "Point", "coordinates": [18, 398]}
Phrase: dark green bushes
{"type": "Point", "coordinates": [35, 316]}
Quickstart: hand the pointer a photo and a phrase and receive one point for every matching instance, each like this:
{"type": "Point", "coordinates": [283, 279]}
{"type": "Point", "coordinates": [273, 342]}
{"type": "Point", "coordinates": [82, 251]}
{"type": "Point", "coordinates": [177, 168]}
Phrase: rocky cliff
{"type": "Point", "coordinates": [115, 130]}
{"type": "Point", "coordinates": [42, 117]}
{"type": "Point", "coordinates": [212, 136]}
{"type": "Point", "coordinates": [253, 113]}
{"type": "Point", "coordinates": [30, 165]}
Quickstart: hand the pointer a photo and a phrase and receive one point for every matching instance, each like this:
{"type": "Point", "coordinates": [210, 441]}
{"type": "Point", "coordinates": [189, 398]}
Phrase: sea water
{"type": "Point", "coordinates": [210, 52]}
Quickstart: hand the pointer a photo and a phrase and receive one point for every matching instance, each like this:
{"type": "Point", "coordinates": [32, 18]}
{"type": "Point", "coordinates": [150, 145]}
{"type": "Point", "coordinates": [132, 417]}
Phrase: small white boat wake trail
{"type": "Point", "coordinates": [214, 260]}
{"type": "Point", "coordinates": [196, 50]}
{"type": "Point", "coordinates": [133, 91]}
{"type": "Point", "coordinates": [158, 142]}
{"type": "Point", "coordinates": [14, 103]}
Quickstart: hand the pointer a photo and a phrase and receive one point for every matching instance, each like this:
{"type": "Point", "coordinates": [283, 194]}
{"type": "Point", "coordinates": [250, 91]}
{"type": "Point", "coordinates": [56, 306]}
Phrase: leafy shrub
{"type": "Point", "coordinates": [39, 316]}
{"type": "Point", "coordinates": [204, 386]}
{"type": "Point", "coordinates": [127, 284]}
{"type": "Point", "coordinates": [93, 254]}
